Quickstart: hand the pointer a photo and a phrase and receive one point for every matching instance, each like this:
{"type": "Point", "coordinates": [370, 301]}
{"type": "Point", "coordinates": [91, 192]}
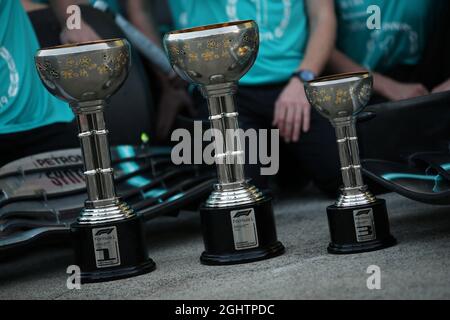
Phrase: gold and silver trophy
{"type": "Point", "coordinates": [358, 221]}
{"type": "Point", "coordinates": [237, 220]}
{"type": "Point", "coordinates": [108, 236]}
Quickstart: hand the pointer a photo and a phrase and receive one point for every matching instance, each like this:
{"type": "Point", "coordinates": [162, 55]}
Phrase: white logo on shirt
{"type": "Point", "coordinates": [262, 17]}
{"type": "Point", "coordinates": [384, 36]}
{"type": "Point", "coordinates": [13, 77]}
{"type": "Point", "coordinates": [385, 40]}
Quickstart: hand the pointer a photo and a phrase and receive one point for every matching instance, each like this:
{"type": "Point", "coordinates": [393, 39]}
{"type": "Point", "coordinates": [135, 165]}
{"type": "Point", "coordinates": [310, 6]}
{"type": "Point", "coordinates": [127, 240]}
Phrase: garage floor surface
{"type": "Point", "coordinates": [417, 268]}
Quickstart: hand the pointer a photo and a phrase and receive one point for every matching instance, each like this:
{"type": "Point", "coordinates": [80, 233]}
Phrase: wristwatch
{"type": "Point", "coordinates": [304, 75]}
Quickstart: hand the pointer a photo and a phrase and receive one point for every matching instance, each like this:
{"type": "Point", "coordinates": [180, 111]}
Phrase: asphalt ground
{"type": "Point", "coordinates": [418, 267]}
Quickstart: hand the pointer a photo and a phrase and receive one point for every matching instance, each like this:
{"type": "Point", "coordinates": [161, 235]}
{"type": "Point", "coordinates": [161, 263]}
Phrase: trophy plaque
{"type": "Point", "coordinates": [237, 220]}
{"type": "Point", "coordinates": [108, 237]}
{"type": "Point", "coordinates": [358, 221]}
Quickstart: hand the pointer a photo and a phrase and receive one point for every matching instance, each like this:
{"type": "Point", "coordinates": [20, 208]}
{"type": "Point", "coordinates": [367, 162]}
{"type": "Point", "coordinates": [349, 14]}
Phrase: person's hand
{"type": "Point", "coordinates": [445, 86]}
{"type": "Point", "coordinates": [292, 111]}
{"type": "Point", "coordinates": [84, 34]}
{"type": "Point", "coordinates": [394, 90]}
{"type": "Point", "coordinates": [172, 102]}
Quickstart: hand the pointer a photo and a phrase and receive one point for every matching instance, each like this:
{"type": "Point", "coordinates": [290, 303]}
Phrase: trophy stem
{"type": "Point", "coordinates": [237, 219]}
{"type": "Point", "coordinates": [102, 204]}
{"type": "Point", "coordinates": [354, 191]}
{"type": "Point", "coordinates": [232, 188]}
{"type": "Point", "coordinates": [349, 155]}
{"type": "Point", "coordinates": [229, 156]}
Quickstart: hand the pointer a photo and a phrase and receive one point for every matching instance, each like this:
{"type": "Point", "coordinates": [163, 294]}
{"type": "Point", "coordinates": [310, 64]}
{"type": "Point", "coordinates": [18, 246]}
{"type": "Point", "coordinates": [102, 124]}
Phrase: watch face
{"type": "Point", "coordinates": [306, 75]}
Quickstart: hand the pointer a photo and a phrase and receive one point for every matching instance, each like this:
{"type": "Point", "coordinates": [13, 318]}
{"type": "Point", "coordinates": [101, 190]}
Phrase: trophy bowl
{"type": "Point", "coordinates": [340, 96]}
{"type": "Point", "coordinates": [213, 54]}
{"type": "Point", "coordinates": [84, 72]}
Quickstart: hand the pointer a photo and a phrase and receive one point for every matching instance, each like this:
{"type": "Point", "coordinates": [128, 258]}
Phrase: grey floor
{"type": "Point", "coordinates": [417, 268]}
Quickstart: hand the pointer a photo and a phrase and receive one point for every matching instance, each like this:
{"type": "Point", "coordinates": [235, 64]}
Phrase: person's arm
{"type": "Point", "coordinates": [445, 86]}
{"type": "Point", "coordinates": [174, 97]}
{"type": "Point", "coordinates": [292, 109]}
{"type": "Point", "coordinates": [139, 13]}
{"type": "Point", "coordinates": [322, 25]}
{"type": "Point", "coordinates": [84, 34]}
{"type": "Point", "coordinates": [383, 85]}
{"type": "Point", "coordinates": [29, 5]}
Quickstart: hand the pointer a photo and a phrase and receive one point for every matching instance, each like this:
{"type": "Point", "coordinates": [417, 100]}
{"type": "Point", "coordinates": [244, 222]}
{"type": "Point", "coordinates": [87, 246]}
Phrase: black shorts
{"type": "Point", "coordinates": [48, 138]}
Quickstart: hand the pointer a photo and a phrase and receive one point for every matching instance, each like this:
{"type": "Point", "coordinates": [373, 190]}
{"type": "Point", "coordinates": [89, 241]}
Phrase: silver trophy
{"type": "Point", "coordinates": [358, 221]}
{"type": "Point", "coordinates": [108, 237]}
{"type": "Point", "coordinates": [237, 219]}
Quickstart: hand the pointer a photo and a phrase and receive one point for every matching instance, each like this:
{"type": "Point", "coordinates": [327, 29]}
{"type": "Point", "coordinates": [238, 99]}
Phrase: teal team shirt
{"type": "Point", "coordinates": [283, 28]}
{"type": "Point", "coordinates": [24, 102]}
{"type": "Point", "coordinates": [405, 25]}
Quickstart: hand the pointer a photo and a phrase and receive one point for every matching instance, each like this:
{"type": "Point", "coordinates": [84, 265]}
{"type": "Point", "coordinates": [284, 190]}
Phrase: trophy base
{"type": "Point", "coordinates": [241, 234]}
{"type": "Point", "coordinates": [111, 251]}
{"type": "Point", "coordinates": [359, 229]}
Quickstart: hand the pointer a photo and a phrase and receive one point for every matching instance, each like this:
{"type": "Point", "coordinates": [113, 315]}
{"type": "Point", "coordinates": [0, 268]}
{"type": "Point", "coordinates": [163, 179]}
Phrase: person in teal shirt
{"type": "Point", "coordinates": [171, 97]}
{"type": "Point", "coordinates": [25, 105]}
{"type": "Point", "coordinates": [385, 37]}
{"type": "Point", "coordinates": [297, 37]}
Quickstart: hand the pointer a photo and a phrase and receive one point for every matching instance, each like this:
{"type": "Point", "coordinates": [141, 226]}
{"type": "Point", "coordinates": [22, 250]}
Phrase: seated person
{"type": "Point", "coordinates": [31, 119]}
{"type": "Point", "coordinates": [133, 9]}
{"type": "Point", "coordinates": [295, 36]}
{"type": "Point", "coordinates": [392, 52]}
{"type": "Point", "coordinates": [171, 98]}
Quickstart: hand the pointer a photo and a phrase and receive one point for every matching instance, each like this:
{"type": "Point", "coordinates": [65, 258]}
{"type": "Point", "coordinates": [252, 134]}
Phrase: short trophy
{"type": "Point", "coordinates": [237, 220]}
{"type": "Point", "coordinates": [358, 221]}
{"type": "Point", "coordinates": [108, 237]}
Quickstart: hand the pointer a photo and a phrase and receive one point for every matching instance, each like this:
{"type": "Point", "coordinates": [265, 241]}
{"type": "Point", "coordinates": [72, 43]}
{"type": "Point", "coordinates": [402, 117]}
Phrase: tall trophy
{"type": "Point", "coordinates": [358, 221]}
{"type": "Point", "coordinates": [108, 236]}
{"type": "Point", "coordinates": [237, 220]}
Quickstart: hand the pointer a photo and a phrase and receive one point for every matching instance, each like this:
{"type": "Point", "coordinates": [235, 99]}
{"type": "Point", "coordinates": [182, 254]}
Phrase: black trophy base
{"type": "Point", "coordinates": [359, 229]}
{"type": "Point", "coordinates": [111, 251]}
{"type": "Point", "coordinates": [241, 234]}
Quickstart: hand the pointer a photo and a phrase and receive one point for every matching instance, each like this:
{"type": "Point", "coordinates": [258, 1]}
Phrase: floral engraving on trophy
{"type": "Point", "coordinates": [212, 44]}
{"type": "Point", "coordinates": [48, 70]}
{"type": "Point", "coordinates": [208, 55]}
{"type": "Point", "coordinates": [193, 57]}
{"type": "Point", "coordinates": [73, 67]}
{"type": "Point", "coordinates": [365, 93]}
{"type": "Point", "coordinates": [242, 51]}
{"type": "Point", "coordinates": [342, 97]}
{"type": "Point", "coordinates": [227, 43]}
{"type": "Point", "coordinates": [103, 69]}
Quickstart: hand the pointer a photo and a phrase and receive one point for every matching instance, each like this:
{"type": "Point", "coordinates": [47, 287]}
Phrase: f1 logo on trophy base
{"type": "Point", "coordinates": [108, 237]}
{"type": "Point", "coordinates": [237, 219]}
{"type": "Point", "coordinates": [358, 221]}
